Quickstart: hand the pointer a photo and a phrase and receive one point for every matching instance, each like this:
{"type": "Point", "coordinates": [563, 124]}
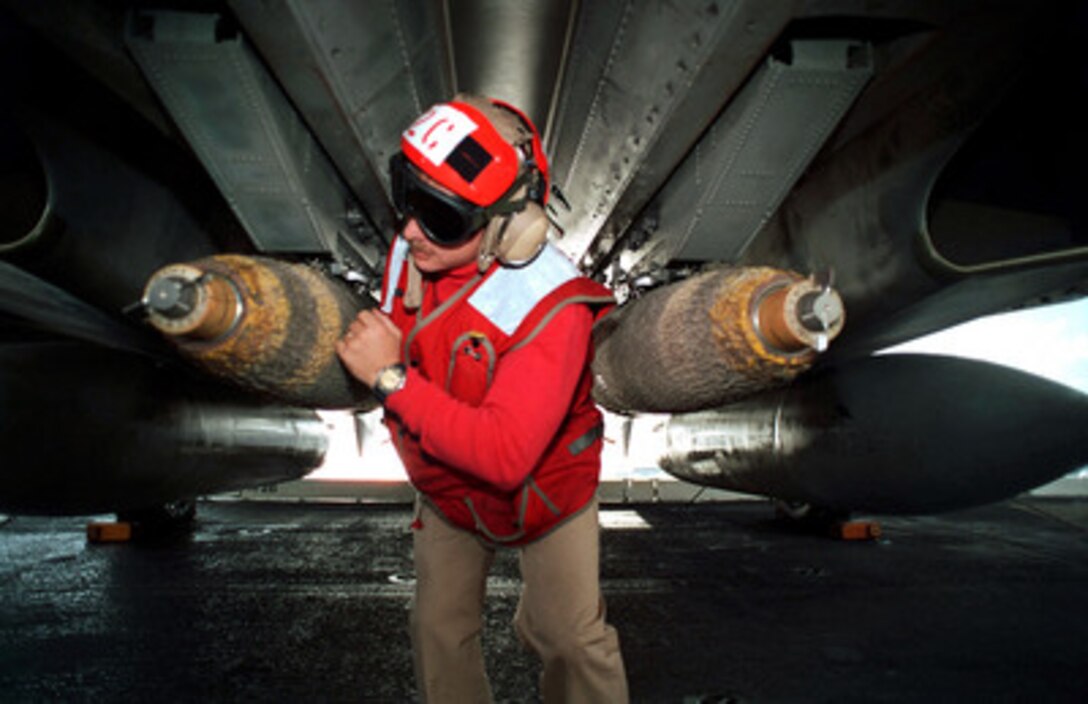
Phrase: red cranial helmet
{"type": "Point", "coordinates": [476, 148]}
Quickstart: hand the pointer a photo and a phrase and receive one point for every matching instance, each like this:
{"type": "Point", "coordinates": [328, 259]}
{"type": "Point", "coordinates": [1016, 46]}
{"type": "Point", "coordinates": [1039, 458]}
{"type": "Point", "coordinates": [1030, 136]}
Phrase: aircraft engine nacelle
{"type": "Point", "coordinates": [267, 325]}
{"type": "Point", "coordinates": [888, 434]}
{"type": "Point", "coordinates": [711, 339]}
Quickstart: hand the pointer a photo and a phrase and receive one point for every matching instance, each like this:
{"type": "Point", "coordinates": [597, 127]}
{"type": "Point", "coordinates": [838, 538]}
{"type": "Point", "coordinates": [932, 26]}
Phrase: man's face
{"type": "Point", "coordinates": [432, 258]}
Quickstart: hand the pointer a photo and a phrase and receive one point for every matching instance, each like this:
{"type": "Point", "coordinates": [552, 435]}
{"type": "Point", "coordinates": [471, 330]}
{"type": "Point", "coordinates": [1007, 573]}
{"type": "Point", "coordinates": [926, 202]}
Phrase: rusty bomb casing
{"type": "Point", "coordinates": [264, 324]}
{"type": "Point", "coordinates": [711, 339]}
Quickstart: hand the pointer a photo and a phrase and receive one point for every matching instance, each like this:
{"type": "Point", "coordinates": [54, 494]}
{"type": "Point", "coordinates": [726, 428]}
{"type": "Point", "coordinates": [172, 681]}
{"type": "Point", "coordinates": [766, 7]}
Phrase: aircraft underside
{"type": "Point", "coordinates": [195, 201]}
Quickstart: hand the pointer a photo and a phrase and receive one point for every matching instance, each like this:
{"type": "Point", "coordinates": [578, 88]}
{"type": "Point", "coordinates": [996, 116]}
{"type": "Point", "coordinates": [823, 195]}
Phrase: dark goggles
{"type": "Point", "coordinates": [444, 218]}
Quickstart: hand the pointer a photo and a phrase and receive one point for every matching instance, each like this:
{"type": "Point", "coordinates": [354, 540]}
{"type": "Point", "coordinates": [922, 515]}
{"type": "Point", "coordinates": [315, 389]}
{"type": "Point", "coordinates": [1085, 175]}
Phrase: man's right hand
{"type": "Point", "coordinates": [370, 343]}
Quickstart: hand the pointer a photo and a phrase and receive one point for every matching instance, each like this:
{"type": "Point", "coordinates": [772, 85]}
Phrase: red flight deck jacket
{"type": "Point", "coordinates": [496, 424]}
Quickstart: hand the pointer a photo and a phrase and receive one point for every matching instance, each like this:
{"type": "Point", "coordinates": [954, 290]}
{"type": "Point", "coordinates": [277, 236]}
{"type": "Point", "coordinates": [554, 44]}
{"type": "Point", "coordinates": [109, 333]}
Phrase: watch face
{"type": "Point", "coordinates": [390, 379]}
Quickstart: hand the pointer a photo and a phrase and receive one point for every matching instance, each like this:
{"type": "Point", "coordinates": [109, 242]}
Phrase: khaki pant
{"type": "Point", "coordinates": [560, 615]}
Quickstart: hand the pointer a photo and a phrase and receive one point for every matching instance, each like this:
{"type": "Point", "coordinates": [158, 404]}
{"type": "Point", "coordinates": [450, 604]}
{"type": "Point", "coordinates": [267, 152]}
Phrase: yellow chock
{"type": "Point", "coordinates": [118, 532]}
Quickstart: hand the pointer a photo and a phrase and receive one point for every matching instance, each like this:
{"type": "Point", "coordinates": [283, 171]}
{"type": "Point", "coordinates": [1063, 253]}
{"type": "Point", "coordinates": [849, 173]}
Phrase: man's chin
{"type": "Point", "coordinates": [424, 262]}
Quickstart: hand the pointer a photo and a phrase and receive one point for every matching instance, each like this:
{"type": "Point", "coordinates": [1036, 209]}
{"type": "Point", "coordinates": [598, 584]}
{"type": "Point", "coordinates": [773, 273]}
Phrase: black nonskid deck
{"type": "Point", "coordinates": [714, 602]}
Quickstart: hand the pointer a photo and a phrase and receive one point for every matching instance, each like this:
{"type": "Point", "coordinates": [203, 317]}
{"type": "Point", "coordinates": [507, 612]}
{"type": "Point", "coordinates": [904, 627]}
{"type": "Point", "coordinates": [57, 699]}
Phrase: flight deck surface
{"type": "Point", "coordinates": [714, 602]}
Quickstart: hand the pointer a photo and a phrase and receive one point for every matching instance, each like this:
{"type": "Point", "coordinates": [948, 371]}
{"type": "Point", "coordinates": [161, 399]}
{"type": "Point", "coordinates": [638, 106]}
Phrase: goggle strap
{"type": "Point", "coordinates": [507, 205]}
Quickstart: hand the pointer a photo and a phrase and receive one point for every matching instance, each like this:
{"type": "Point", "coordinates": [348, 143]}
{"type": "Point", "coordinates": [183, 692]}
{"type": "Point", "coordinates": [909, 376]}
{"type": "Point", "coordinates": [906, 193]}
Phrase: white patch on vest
{"type": "Point", "coordinates": [438, 131]}
{"type": "Point", "coordinates": [397, 256]}
{"type": "Point", "coordinates": [508, 295]}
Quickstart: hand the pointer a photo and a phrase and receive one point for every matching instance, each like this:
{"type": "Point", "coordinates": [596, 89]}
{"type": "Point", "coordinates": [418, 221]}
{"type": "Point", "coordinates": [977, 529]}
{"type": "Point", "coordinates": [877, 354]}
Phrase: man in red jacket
{"type": "Point", "coordinates": [480, 355]}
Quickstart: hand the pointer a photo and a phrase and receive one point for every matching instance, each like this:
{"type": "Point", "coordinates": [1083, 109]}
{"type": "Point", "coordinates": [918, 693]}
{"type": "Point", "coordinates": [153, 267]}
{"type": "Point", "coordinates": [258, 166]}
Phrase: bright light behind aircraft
{"type": "Point", "coordinates": [1051, 342]}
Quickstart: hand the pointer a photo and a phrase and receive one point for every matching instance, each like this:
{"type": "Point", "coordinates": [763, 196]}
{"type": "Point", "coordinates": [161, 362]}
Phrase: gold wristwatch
{"type": "Point", "coordinates": [390, 380]}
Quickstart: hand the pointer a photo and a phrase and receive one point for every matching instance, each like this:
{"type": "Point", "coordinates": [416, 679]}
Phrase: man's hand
{"type": "Point", "coordinates": [371, 343]}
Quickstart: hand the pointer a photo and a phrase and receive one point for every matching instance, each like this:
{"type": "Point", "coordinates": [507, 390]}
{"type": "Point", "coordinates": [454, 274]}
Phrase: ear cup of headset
{"type": "Point", "coordinates": [525, 235]}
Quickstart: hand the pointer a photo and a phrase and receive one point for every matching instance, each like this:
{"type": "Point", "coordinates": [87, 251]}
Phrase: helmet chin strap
{"type": "Point", "coordinates": [413, 292]}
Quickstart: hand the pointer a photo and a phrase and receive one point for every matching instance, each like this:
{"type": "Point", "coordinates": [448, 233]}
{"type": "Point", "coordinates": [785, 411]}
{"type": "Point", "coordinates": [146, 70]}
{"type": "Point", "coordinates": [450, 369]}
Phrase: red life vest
{"type": "Point", "coordinates": [458, 346]}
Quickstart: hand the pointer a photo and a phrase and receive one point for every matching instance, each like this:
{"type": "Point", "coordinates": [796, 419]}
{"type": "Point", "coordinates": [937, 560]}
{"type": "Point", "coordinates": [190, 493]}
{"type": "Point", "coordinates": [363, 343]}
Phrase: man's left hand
{"type": "Point", "coordinates": [371, 343]}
